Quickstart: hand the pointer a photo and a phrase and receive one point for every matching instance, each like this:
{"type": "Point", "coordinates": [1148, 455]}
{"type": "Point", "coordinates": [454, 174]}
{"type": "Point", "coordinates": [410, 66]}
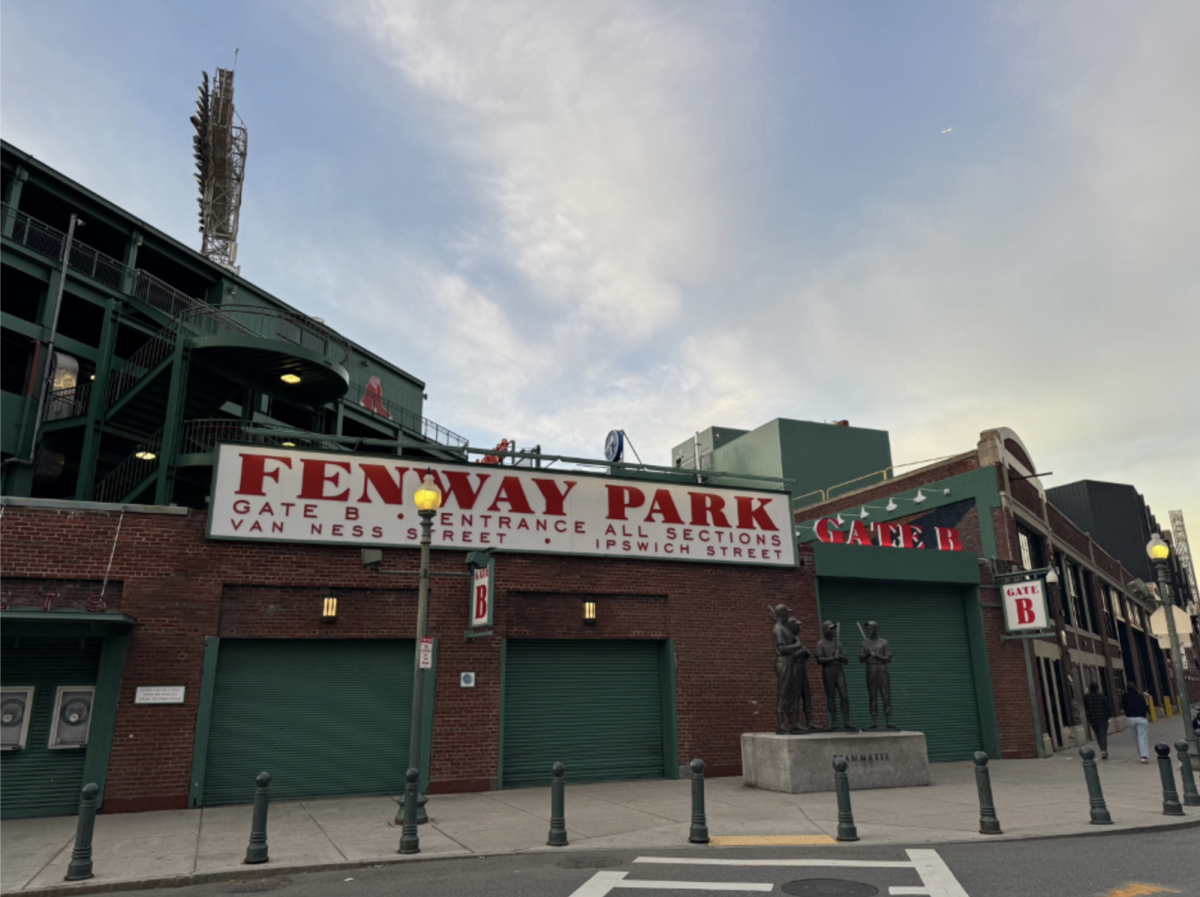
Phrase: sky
{"type": "Point", "coordinates": [570, 218]}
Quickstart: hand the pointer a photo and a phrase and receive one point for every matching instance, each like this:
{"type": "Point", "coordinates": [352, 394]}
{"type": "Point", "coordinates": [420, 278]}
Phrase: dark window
{"type": "Point", "coordinates": [16, 359]}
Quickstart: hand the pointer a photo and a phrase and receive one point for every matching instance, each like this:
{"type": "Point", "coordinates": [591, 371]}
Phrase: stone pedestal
{"type": "Point", "coordinates": [801, 763]}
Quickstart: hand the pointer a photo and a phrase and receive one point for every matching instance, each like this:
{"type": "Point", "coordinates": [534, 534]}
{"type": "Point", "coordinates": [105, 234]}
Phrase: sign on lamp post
{"type": "Point", "coordinates": [1025, 608]}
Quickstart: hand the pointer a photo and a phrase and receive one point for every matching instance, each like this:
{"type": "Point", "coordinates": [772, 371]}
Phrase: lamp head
{"type": "Point", "coordinates": [1052, 577]}
{"type": "Point", "coordinates": [428, 496]}
{"type": "Point", "coordinates": [1157, 548]}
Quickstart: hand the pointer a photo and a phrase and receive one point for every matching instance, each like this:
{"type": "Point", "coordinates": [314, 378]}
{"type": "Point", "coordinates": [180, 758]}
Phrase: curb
{"type": "Point", "coordinates": [257, 873]}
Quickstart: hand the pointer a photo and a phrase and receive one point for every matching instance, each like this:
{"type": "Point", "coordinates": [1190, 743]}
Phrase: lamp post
{"type": "Point", "coordinates": [428, 498]}
{"type": "Point", "coordinates": [1159, 551]}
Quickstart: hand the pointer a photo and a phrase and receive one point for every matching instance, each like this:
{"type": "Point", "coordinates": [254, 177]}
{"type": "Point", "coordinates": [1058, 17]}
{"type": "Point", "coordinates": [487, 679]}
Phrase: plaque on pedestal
{"type": "Point", "coordinates": [799, 764]}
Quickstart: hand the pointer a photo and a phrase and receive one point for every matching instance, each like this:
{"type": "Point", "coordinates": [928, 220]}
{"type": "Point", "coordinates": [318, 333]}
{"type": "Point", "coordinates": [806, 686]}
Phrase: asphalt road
{"type": "Point", "coordinates": [1119, 865]}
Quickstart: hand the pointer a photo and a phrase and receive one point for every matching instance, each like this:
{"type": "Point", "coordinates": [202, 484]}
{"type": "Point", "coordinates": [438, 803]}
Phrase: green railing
{"type": "Point", "coordinates": [405, 417]}
{"type": "Point", "coordinates": [267, 323]}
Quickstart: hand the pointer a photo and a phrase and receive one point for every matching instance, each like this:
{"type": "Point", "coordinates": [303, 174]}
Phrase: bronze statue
{"type": "Point", "coordinates": [877, 654]}
{"type": "Point", "coordinates": [833, 660]}
{"type": "Point", "coordinates": [786, 648]}
{"type": "Point", "coordinates": [801, 694]}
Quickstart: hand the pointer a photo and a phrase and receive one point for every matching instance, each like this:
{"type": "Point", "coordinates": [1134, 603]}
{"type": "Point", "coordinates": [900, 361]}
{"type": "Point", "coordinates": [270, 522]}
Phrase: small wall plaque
{"type": "Point", "coordinates": [160, 694]}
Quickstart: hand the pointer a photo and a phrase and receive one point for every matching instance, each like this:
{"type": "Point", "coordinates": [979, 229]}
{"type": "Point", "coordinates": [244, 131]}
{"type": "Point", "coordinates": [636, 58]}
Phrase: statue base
{"type": "Point", "coordinates": [797, 764]}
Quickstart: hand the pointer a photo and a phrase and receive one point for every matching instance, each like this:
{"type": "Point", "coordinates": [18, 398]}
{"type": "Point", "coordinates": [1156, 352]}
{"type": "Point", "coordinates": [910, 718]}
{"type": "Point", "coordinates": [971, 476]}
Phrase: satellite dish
{"type": "Point", "coordinates": [614, 445]}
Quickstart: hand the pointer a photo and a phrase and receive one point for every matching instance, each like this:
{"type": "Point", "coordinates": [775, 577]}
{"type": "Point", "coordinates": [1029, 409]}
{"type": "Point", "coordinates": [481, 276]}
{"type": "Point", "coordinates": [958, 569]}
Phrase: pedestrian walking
{"type": "Point", "coordinates": [1136, 710]}
{"type": "Point", "coordinates": [1097, 710]}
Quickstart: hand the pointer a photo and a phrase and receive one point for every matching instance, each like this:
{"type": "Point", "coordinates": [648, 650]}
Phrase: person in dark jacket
{"type": "Point", "coordinates": [1136, 710]}
{"type": "Point", "coordinates": [1097, 711]}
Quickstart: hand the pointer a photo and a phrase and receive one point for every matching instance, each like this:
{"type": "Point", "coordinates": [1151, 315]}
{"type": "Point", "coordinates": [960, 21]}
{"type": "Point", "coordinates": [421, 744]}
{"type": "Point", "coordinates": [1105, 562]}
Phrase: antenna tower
{"type": "Point", "coordinates": [220, 151]}
{"type": "Point", "coordinates": [1183, 553]}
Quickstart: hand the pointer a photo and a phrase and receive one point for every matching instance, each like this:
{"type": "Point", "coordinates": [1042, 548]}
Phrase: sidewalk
{"type": "Point", "coordinates": [1034, 798]}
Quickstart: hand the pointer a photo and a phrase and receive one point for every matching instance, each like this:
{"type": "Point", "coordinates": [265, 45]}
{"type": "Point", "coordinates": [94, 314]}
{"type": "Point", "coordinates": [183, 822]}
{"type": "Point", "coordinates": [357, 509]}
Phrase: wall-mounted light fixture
{"type": "Point", "coordinates": [288, 444]}
{"type": "Point", "coordinates": [145, 455]}
{"type": "Point", "coordinates": [329, 610]}
{"type": "Point", "coordinates": [290, 379]}
{"type": "Point", "coordinates": [589, 612]}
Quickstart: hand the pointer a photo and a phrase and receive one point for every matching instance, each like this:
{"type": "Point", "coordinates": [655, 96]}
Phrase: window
{"type": "Point", "coordinates": [1064, 588]}
{"type": "Point", "coordinates": [16, 704]}
{"type": "Point", "coordinates": [1031, 548]}
{"type": "Point", "coordinates": [72, 716]}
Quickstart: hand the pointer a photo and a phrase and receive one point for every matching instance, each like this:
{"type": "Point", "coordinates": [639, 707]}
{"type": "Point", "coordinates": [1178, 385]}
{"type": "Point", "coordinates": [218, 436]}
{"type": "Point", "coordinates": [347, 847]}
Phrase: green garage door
{"type": "Point", "coordinates": [37, 780]}
{"type": "Point", "coordinates": [933, 684]}
{"type": "Point", "coordinates": [596, 706]}
{"type": "Point", "coordinates": [325, 718]}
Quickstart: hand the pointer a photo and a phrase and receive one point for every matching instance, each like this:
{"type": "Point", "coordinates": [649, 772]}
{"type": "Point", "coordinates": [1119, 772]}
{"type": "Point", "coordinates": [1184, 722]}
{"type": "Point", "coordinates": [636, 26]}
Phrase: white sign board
{"type": "Point", "coordinates": [466, 680]}
{"type": "Point", "coordinates": [426, 652]}
{"type": "Point", "coordinates": [282, 495]}
{"type": "Point", "coordinates": [159, 694]}
{"type": "Point", "coordinates": [1025, 605]}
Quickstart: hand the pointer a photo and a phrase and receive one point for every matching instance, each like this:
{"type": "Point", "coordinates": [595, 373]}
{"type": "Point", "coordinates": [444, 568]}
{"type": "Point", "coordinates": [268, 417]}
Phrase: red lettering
{"type": "Point", "coordinates": [1025, 613]}
{"type": "Point", "coordinates": [663, 505]}
{"type": "Point", "coordinates": [458, 487]}
{"type": "Point", "coordinates": [254, 471]}
{"type": "Point", "coordinates": [241, 506]}
{"type": "Point", "coordinates": [312, 484]}
{"type": "Point", "coordinates": [377, 475]}
{"type": "Point", "coordinates": [512, 492]}
{"type": "Point", "coordinates": [910, 536]}
{"type": "Point", "coordinates": [622, 497]}
{"type": "Point", "coordinates": [748, 515]}
{"type": "Point", "coordinates": [947, 539]}
{"type": "Point", "coordinates": [859, 534]}
{"type": "Point", "coordinates": [555, 500]}
{"type": "Point", "coordinates": [826, 533]}
{"type": "Point", "coordinates": [481, 600]}
{"type": "Point", "coordinates": [887, 534]}
{"type": "Point", "coordinates": [351, 513]}
{"type": "Point", "coordinates": [706, 505]}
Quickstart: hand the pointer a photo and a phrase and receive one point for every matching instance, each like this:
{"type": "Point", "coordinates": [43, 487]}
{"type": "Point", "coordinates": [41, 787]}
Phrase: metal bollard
{"type": "Point", "coordinates": [1092, 776]}
{"type": "Point", "coordinates": [1190, 796]}
{"type": "Point", "coordinates": [846, 830]}
{"type": "Point", "coordinates": [410, 841]}
{"type": "Point", "coordinates": [81, 857]}
{"type": "Point", "coordinates": [1171, 805]}
{"type": "Point", "coordinates": [558, 822]}
{"type": "Point", "coordinates": [699, 832]}
{"type": "Point", "coordinates": [256, 850]}
{"type": "Point", "coordinates": [988, 823]}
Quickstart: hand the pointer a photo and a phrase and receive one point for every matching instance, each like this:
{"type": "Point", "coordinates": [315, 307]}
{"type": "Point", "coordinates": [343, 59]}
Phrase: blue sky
{"type": "Point", "coordinates": [569, 218]}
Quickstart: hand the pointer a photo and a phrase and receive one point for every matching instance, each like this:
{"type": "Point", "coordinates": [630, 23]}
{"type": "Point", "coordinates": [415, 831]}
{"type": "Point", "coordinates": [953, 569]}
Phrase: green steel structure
{"type": "Point", "coordinates": [151, 355]}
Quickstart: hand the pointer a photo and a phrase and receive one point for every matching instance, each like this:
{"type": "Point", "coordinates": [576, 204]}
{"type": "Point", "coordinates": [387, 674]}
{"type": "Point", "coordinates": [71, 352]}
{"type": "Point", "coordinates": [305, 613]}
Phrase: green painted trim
{"type": "Point", "coordinates": [429, 681]}
{"type": "Point", "coordinates": [670, 712]}
{"type": "Point", "coordinates": [873, 562]}
{"type": "Point", "coordinates": [208, 681]}
{"type": "Point", "coordinates": [503, 696]}
{"type": "Point", "coordinates": [979, 484]}
{"type": "Point", "coordinates": [98, 623]}
{"type": "Point", "coordinates": [104, 712]}
{"type": "Point", "coordinates": [172, 424]}
{"type": "Point", "coordinates": [989, 725]}
{"type": "Point", "coordinates": [90, 454]}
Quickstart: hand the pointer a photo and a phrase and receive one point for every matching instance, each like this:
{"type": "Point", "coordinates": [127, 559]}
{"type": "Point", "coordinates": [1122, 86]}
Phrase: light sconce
{"type": "Point", "coordinates": [1052, 577]}
{"type": "Point", "coordinates": [920, 496]}
{"type": "Point", "coordinates": [891, 505]}
{"type": "Point", "coordinates": [288, 444]}
{"type": "Point", "coordinates": [589, 612]}
{"type": "Point", "coordinates": [329, 610]}
{"type": "Point", "coordinates": [290, 379]}
{"type": "Point", "coordinates": [863, 515]}
{"type": "Point", "coordinates": [145, 455]}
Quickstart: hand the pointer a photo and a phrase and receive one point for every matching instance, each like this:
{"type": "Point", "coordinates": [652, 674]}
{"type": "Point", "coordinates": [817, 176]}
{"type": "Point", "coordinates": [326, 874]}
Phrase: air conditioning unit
{"type": "Point", "coordinates": [16, 705]}
{"type": "Point", "coordinates": [72, 716]}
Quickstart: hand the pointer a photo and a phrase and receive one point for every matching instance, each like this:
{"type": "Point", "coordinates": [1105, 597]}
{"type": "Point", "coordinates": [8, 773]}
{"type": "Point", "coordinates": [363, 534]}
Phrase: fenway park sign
{"type": "Point", "coordinates": [300, 496]}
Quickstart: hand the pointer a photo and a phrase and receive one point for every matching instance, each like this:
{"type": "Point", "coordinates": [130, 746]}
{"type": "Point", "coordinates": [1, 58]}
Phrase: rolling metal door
{"type": "Point", "coordinates": [933, 684]}
{"type": "Point", "coordinates": [37, 780]}
{"type": "Point", "coordinates": [595, 706]}
{"type": "Point", "coordinates": [325, 718]}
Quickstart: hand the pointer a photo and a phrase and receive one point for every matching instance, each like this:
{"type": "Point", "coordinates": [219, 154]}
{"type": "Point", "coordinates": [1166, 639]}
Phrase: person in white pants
{"type": "Point", "coordinates": [1136, 710]}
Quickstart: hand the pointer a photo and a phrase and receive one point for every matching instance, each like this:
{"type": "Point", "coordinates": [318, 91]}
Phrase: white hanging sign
{"type": "Point", "coordinates": [1025, 605]}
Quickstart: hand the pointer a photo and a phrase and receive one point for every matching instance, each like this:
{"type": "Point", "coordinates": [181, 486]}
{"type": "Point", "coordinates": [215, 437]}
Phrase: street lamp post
{"type": "Point", "coordinates": [1159, 551]}
{"type": "Point", "coordinates": [428, 498]}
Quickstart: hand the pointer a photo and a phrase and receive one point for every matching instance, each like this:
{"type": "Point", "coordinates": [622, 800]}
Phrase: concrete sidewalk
{"type": "Point", "coordinates": [1034, 798]}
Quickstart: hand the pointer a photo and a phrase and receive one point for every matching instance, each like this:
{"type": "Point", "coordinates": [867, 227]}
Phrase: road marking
{"type": "Point", "coordinates": [935, 874]}
{"type": "Point", "coordinates": [1135, 889]}
{"type": "Point", "coordinates": [909, 889]}
{"type": "Point", "coordinates": [602, 883]}
{"type": "Point", "coordinates": [850, 864]}
{"type": "Point", "coordinates": [768, 840]}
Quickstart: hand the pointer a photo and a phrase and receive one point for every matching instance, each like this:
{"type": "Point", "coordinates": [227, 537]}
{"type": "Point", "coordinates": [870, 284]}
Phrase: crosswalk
{"type": "Point", "coordinates": [936, 879]}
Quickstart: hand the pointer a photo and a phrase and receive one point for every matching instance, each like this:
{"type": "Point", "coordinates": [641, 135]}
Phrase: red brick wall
{"type": "Point", "coordinates": [182, 587]}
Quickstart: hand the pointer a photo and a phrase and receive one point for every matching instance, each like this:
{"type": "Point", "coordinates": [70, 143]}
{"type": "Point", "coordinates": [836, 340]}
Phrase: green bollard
{"type": "Point", "coordinates": [256, 850]}
{"type": "Point", "coordinates": [699, 832]}
{"type": "Point", "coordinates": [81, 857]}
{"type": "Point", "coordinates": [841, 784]}
{"type": "Point", "coordinates": [988, 823]}
{"type": "Point", "coordinates": [1092, 776]}
{"type": "Point", "coordinates": [1171, 806]}
{"type": "Point", "coordinates": [558, 822]}
{"type": "Point", "coordinates": [1190, 797]}
{"type": "Point", "coordinates": [410, 841]}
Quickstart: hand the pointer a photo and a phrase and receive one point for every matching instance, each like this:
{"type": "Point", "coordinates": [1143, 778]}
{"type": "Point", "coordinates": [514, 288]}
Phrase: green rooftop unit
{"type": "Point", "coordinates": [816, 456]}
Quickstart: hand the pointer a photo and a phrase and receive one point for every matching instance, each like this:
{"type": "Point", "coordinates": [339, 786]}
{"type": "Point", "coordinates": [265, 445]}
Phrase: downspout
{"type": "Point", "coordinates": [49, 364]}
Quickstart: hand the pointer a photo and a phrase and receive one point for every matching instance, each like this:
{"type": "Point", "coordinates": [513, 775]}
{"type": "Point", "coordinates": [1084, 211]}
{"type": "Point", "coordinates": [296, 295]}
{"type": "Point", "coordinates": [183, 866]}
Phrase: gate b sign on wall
{"type": "Point", "coordinates": [281, 495]}
{"type": "Point", "coordinates": [1025, 605]}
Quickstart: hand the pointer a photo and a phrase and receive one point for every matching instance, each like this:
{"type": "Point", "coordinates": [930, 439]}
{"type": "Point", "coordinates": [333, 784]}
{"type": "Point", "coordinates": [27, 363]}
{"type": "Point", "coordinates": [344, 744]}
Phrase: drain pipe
{"type": "Point", "coordinates": [49, 376]}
